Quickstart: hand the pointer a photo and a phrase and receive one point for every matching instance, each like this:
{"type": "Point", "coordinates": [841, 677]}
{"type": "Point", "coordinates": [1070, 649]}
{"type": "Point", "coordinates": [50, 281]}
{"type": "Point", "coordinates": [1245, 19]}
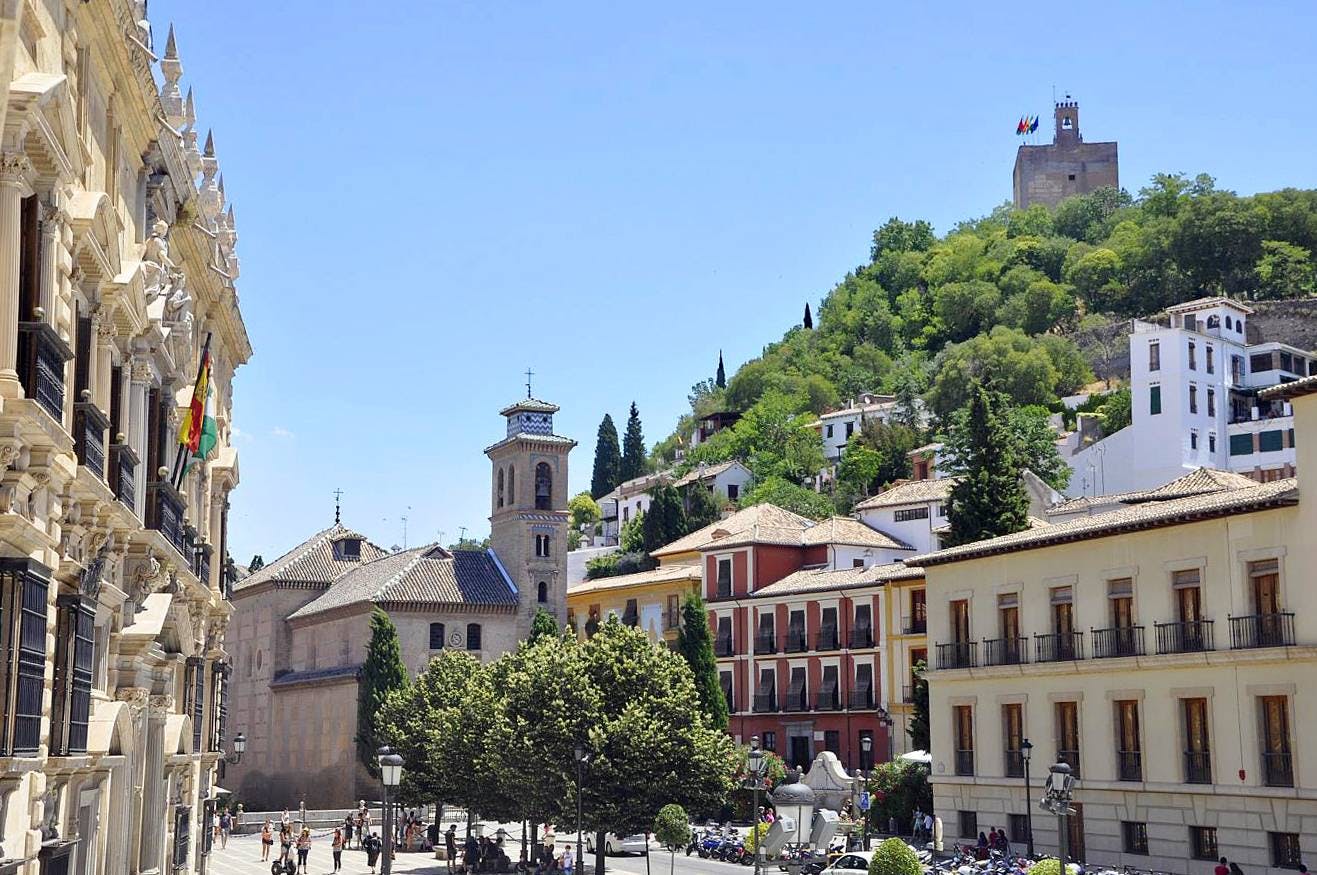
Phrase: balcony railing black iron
{"type": "Point", "coordinates": [722, 646]}
{"type": "Point", "coordinates": [797, 641]}
{"type": "Point", "coordinates": [907, 694]}
{"type": "Point", "coordinates": [827, 639]}
{"type": "Point", "coordinates": [89, 426]}
{"type": "Point", "coordinates": [861, 637]}
{"type": "Point", "coordinates": [1014, 763]}
{"type": "Point", "coordinates": [1191, 636]}
{"type": "Point", "coordinates": [41, 358]}
{"type": "Point", "coordinates": [1058, 646]}
{"type": "Point", "coordinates": [1262, 630]}
{"type": "Point", "coordinates": [862, 700]}
{"type": "Point", "coordinates": [1117, 641]}
{"type": "Point", "coordinates": [202, 565]}
{"type": "Point", "coordinates": [164, 513]}
{"type": "Point", "coordinates": [765, 644]}
{"type": "Point", "coordinates": [1277, 769]}
{"type": "Point", "coordinates": [828, 701]}
{"type": "Point", "coordinates": [1197, 767]}
{"type": "Point", "coordinates": [765, 703]}
{"type": "Point", "coordinates": [1129, 765]}
{"type": "Point", "coordinates": [1071, 759]}
{"type": "Point", "coordinates": [964, 762]}
{"type": "Point", "coordinates": [916, 625]}
{"type": "Point", "coordinates": [123, 473]}
{"type": "Point", "coordinates": [957, 654]}
{"type": "Point", "coordinates": [672, 620]}
{"type": "Point", "coordinates": [1005, 651]}
{"type": "Point", "coordinates": [797, 702]}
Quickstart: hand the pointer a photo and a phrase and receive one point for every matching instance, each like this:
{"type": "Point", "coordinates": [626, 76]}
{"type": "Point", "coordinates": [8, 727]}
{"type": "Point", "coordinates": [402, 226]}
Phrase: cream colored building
{"type": "Point", "coordinates": [116, 262]}
{"type": "Point", "coordinates": [1167, 650]}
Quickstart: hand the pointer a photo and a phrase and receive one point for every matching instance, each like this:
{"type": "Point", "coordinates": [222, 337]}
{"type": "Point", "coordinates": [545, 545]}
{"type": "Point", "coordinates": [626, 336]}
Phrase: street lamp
{"type": "Point", "coordinates": [885, 720]}
{"type": "Point", "coordinates": [796, 800]}
{"type": "Point", "coordinates": [866, 749]}
{"type": "Point", "coordinates": [582, 757]}
{"type": "Point", "coordinates": [1056, 799]}
{"type": "Point", "coordinates": [756, 769]}
{"type": "Point", "coordinates": [239, 748]}
{"type": "Point", "coordinates": [1026, 749]}
{"type": "Point", "coordinates": [391, 776]}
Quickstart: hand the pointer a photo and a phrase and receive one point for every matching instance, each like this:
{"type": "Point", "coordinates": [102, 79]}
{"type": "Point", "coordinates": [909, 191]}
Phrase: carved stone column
{"type": "Point", "coordinates": [15, 184]}
{"type": "Point", "coordinates": [52, 226]}
{"type": "Point", "coordinates": [154, 790]}
{"type": "Point", "coordinates": [138, 391]}
{"type": "Point", "coordinates": [103, 342]}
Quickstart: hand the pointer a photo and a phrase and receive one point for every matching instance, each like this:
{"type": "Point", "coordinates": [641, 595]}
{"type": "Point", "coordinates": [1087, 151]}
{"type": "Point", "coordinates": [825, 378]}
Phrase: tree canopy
{"type": "Point", "coordinates": [607, 460]}
{"type": "Point", "coordinates": [634, 460]}
{"type": "Point", "coordinates": [981, 450]}
{"type": "Point", "coordinates": [382, 673]}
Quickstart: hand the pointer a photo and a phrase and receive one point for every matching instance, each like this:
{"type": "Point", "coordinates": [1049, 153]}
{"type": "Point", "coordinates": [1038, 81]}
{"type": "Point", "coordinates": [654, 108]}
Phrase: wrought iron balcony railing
{"type": "Point", "coordinates": [1059, 647]}
{"type": "Point", "coordinates": [765, 644]}
{"type": "Point", "coordinates": [957, 654]}
{"type": "Point", "coordinates": [1129, 765]}
{"type": "Point", "coordinates": [1197, 767]}
{"type": "Point", "coordinates": [1070, 758]}
{"type": "Point", "coordinates": [1262, 630]}
{"type": "Point", "coordinates": [765, 703]}
{"type": "Point", "coordinates": [965, 762]}
{"type": "Point", "coordinates": [827, 639]}
{"type": "Point", "coordinates": [916, 625]}
{"type": "Point", "coordinates": [164, 513]}
{"type": "Point", "coordinates": [123, 474]}
{"type": "Point", "coordinates": [1191, 636]}
{"type": "Point", "coordinates": [1005, 651]}
{"type": "Point", "coordinates": [41, 358]}
{"type": "Point", "coordinates": [1277, 769]}
{"type": "Point", "coordinates": [861, 637]}
{"type": "Point", "coordinates": [1014, 763]}
{"type": "Point", "coordinates": [1117, 641]}
{"type": "Point", "coordinates": [89, 426]}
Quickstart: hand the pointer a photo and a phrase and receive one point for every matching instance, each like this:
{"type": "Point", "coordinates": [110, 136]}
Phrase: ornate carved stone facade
{"type": "Point", "coordinates": [116, 263]}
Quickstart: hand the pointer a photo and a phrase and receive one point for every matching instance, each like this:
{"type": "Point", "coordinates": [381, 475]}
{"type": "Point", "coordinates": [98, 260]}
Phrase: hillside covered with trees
{"type": "Point", "coordinates": [1004, 296]}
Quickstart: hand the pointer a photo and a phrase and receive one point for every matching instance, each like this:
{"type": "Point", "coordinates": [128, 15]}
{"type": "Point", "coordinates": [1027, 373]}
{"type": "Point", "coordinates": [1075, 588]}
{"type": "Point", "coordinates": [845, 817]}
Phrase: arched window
{"type": "Point", "coordinates": [543, 486]}
{"type": "Point", "coordinates": [436, 636]}
{"type": "Point", "coordinates": [544, 592]}
{"type": "Point", "coordinates": [512, 485]}
{"type": "Point", "coordinates": [500, 487]}
{"type": "Point", "coordinates": [472, 636]}
{"type": "Point", "coordinates": [1230, 323]}
{"type": "Point", "coordinates": [542, 543]}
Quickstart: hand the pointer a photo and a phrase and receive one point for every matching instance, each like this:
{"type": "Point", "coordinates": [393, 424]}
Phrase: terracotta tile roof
{"type": "Point", "coordinates": [768, 516]}
{"type": "Point", "coordinates": [1210, 301]}
{"type": "Point", "coordinates": [424, 575]}
{"type": "Point", "coordinates": [926, 448]}
{"type": "Point", "coordinates": [852, 533]}
{"type": "Point", "coordinates": [709, 471]}
{"type": "Point", "coordinates": [1292, 389]}
{"type": "Point", "coordinates": [824, 580]}
{"type": "Point", "coordinates": [1131, 518]}
{"type": "Point", "coordinates": [662, 574]}
{"type": "Point", "coordinates": [1199, 482]}
{"type": "Point", "coordinates": [911, 492]}
{"type": "Point", "coordinates": [312, 561]}
{"type": "Point", "coordinates": [533, 405]}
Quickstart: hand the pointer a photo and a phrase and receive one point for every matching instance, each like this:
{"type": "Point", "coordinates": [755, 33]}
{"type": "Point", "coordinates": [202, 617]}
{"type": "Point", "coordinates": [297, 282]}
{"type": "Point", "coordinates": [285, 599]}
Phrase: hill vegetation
{"type": "Point", "coordinates": [1000, 298]}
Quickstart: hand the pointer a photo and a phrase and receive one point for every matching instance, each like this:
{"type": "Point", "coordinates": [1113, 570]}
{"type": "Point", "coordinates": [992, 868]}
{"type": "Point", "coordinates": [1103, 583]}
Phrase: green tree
{"type": "Point", "coordinates": [633, 448]}
{"type": "Point", "coordinates": [776, 439]}
{"type": "Point", "coordinates": [1035, 445]}
{"type": "Point", "coordinates": [585, 510]}
{"type": "Point", "coordinates": [897, 789]}
{"type": "Point", "coordinates": [919, 732]}
{"type": "Point", "coordinates": [1284, 271]}
{"type": "Point", "coordinates": [664, 519]}
{"type": "Point", "coordinates": [989, 499]}
{"type": "Point", "coordinates": [607, 460]}
{"type": "Point", "coordinates": [542, 625]}
{"type": "Point", "coordinates": [381, 674]}
{"type": "Point", "coordinates": [789, 496]}
{"type": "Point", "coordinates": [632, 537]}
{"type": "Point", "coordinates": [720, 378]}
{"type": "Point", "coordinates": [895, 857]}
{"type": "Point", "coordinates": [702, 507]}
{"type": "Point", "coordinates": [672, 828]}
{"type": "Point", "coordinates": [695, 643]}
{"type": "Point", "coordinates": [1116, 411]}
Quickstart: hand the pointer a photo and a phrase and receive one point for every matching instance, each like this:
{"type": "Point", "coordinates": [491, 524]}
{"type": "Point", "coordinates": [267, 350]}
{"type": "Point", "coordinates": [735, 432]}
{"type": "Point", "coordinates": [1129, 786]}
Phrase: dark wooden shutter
{"type": "Point", "coordinates": [30, 658]}
{"type": "Point", "coordinates": [29, 260]}
{"type": "Point", "coordinates": [198, 703]}
{"type": "Point", "coordinates": [82, 353]}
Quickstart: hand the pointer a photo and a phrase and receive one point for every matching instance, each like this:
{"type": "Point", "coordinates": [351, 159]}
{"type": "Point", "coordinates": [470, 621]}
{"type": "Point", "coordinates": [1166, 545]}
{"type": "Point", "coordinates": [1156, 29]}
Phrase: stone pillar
{"type": "Point", "coordinates": [15, 173]}
{"type": "Point", "coordinates": [102, 344]}
{"type": "Point", "coordinates": [138, 388]}
{"type": "Point", "coordinates": [154, 815]}
{"type": "Point", "coordinates": [52, 222]}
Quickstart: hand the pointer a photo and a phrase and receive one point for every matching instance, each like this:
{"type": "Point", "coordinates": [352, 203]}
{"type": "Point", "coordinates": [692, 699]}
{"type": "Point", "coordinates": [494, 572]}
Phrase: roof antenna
{"type": "Point", "coordinates": [338, 495]}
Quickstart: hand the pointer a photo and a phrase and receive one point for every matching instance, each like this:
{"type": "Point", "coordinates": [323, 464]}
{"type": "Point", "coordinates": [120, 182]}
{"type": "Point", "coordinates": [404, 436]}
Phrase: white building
{"type": "Point", "coordinates": [837, 426]}
{"type": "Point", "coordinates": [630, 499]}
{"type": "Point", "coordinates": [729, 480]}
{"type": "Point", "coordinates": [1194, 385]}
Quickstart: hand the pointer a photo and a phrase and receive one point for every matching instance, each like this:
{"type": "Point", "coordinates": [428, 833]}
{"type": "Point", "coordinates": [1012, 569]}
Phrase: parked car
{"type": "Point", "coordinates": [614, 845]}
{"type": "Point", "coordinates": [850, 863]}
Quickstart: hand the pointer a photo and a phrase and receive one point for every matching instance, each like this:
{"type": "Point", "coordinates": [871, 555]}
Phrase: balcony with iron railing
{"type": "Point", "coordinates": [827, 639]}
{"type": "Point", "coordinates": [957, 654]}
{"type": "Point", "coordinates": [1005, 651]}
{"type": "Point", "coordinates": [1058, 646]}
{"type": "Point", "coordinates": [907, 694]}
{"type": "Point", "coordinates": [1129, 765]}
{"type": "Point", "coordinates": [123, 474]}
{"type": "Point", "coordinates": [41, 357]}
{"type": "Point", "coordinates": [1118, 641]}
{"type": "Point", "coordinates": [1197, 767]}
{"type": "Point", "coordinates": [796, 701]}
{"type": "Point", "coordinates": [862, 699]}
{"type": "Point", "coordinates": [765, 703]}
{"type": "Point", "coordinates": [722, 645]}
{"type": "Point", "coordinates": [861, 637]}
{"type": "Point", "coordinates": [797, 641]}
{"type": "Point", "coordinates": [1277, 769]}
{"type": "Point", "coordinates": [1014, 763]}
{"type": "Point", "coordinates": [201, 564]}
{"type": "Point", "coordinates": [1190, 636]}
{"type": "Point", "coordinates": [1071, 759]}
{"type": "Point", "coordinates": [164, 513]}
{"type": "Point", "coordinates": [672, 619]}
{"type": "Point", "coordinates": [828, 701]}
{"type": "Point", "coordinates": [765, 643]}
{"type": "Point", "coordinates": [1262, 630]}
{"type": "Point", "coordinates": [965, 762]}
{"type": "Point", "coordinates": [916, 625]}
{"type": "Point", "coordinates": [89, 426]}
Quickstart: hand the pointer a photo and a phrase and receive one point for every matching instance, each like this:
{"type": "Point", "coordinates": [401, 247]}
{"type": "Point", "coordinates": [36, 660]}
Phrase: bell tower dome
{"type": "Point", "coordinates": [528, 507]}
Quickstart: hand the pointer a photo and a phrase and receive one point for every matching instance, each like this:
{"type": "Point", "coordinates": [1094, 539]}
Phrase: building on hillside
{"type": "Point", "coordinates": [302, 623]}
{"type": "Point", "coordinates": [627, 501]}
{"type": "Point", "coordinates": [1195, 386]}
{"type": "Point", "coordinates": [729, 481]}
{"type": "Point", "coordinates": [926, 462]}
{"type": "Point", "coordinates": [1067, 166]}
{"type": "Point", "coordinates": [712, 423]}
{"type": "Point", "coordinates": [1202, 481]}
{"type": "Point", "coordinates": [836, 426]}
{"type": "Point", "coordinates": [1166, 650]}
{"type": "Point", "coordinates": [118, 264]}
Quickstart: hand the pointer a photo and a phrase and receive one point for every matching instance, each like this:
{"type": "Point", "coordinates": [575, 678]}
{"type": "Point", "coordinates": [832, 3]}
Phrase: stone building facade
{"type": "Point", "coordinates": [1068, 166]}
{"type": "Point", "coordinates": [302, 623]}
{"type": "Point", "coordinates": [116, 263]}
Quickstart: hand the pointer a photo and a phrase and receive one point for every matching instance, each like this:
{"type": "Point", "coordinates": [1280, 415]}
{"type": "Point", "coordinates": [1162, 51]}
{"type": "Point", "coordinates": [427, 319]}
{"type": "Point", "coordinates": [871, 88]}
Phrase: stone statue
{"type": "Point", "coordinates": [145, 578]}
{"type": "Point", "coordinates": [157, 267]}
{"type": "Point", "coordinates": [178, 306]}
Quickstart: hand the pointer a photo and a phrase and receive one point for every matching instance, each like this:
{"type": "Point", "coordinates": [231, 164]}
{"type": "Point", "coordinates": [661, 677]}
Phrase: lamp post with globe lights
{"type": "Point", "coordinates": [390, 777]}
{"type": "Point", "coordinates": [1026, 750]}
{"type": "Point", "coordinates": [582, 757]}
{"type": "Point", "coordinates": [756, 767]}
{"type": "Point", "coordinates": [866, 746]}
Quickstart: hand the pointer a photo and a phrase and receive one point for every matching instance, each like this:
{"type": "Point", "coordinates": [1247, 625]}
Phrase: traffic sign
{"type": "Point", "coordinates": [864, 801]}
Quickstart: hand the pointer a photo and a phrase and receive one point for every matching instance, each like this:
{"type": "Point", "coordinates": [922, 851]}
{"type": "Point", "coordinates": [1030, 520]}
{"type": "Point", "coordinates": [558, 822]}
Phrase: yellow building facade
{"type": "Point", "coordinates": [1166, 651]}
{"type": "Point", "coordinates": [650, 600]}
{"type": "Point", "coordinates": [907, 645]}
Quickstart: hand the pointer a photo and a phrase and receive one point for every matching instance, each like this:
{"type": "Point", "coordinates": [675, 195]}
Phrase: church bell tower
{"type": "Point", "coordinates": [528, 507]}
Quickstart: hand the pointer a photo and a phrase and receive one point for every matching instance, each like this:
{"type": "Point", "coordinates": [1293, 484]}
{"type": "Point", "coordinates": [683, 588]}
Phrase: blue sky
{"type": "Point", "coordinates": [432, 196]}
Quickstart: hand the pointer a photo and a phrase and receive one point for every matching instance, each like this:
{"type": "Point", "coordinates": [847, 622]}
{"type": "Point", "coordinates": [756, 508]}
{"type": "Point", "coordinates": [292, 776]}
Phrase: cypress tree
{"type": "Point", "coordinates": [543, 626]}
{"type": "Point", "coordinates": [607, 460]}
{"type": "Point", "coordinates": [989, 500]}
{"type": "Point", "coordinates": [720, 380]}
{"type": "Point", "coordinates": [696, 644]}
{"type": "Point", "coordinates": [919, 730]}
{"type": "Point", "coordinates": [633, 448]}
{"type": "Point", "coordinates": [665, 518]}
{"type": "Point", "coordinates": [809, 319]}
{"type": "Point", "coordinates": [381, 674]}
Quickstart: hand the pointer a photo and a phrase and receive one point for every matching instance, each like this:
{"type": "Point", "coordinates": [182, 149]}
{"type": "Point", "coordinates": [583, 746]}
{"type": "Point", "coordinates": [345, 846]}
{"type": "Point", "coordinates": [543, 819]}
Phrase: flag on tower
{"type": "Point", "coordinates": [1034, 127]}
{"type": "Point", "coordinates": [197, 434]}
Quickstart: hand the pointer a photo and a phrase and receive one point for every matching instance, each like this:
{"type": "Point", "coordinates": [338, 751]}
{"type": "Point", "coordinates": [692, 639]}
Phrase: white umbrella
{"type": "Point", "coordinates": [917, 756]}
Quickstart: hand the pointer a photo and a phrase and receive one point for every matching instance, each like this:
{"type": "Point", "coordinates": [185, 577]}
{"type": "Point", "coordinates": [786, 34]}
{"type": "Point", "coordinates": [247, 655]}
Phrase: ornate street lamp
{"type": "Point", "coordinates": [1056, 798]}
{"type": "Point", "coordinates": [757, 766]}
{"type": "Point", "coordinates": [239, 748]}
{"type": "Point", "coordinates": [390, 776]}
{"type": "Point", "coordinates": [796, 800]}
{"type": "Point", "coordinates": [582, 757]}
{"type": "Point", "coordinates": [1026, 749]}
{"type": "Point", "coordinates": [866, 747]}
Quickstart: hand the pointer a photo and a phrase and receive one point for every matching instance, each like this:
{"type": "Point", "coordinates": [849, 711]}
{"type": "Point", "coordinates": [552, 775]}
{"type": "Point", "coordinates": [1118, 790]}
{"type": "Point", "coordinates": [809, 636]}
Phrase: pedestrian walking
{"type": "Point", "coordinates": [303, 849]}
{"type": "Point", "coordinates": [337, 848]}
{"type": "Point", "coordinates": [267, 841]}
{"type": "Point", "coordinates": [226, 827]}
{"type": "Point", "coordinates": [450, 846]}
{"type": "Point", "coordinates": [285, 843]}
{"type": "Point", "coordinates": [347, 831]}
{"type": "Point", "coordinates": [568, 862]}
{"type": "Point", "coordinates": [361, 829]}
{"type": "Point", "coordinates": [1222, 867]}
{"type": "Point", "coordinates": [372, 844]}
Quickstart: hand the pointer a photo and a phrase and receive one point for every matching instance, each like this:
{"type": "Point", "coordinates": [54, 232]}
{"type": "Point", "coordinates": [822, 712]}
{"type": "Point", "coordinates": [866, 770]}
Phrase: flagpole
{"type": "Point", "coordinates": [176, 478]}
